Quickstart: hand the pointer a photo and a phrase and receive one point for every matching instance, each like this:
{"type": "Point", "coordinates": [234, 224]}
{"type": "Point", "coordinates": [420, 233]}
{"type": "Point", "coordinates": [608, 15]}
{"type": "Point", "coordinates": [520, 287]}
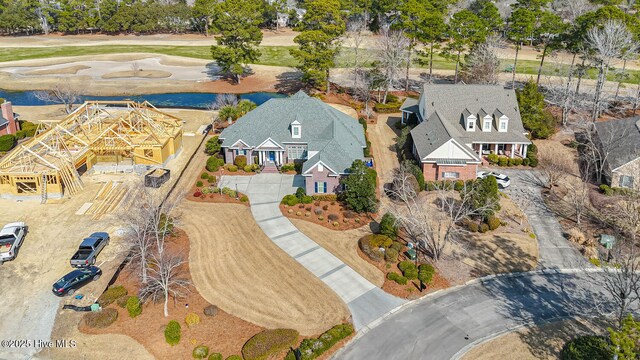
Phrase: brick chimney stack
{"type": "Point", "coordinates": [7, 113]}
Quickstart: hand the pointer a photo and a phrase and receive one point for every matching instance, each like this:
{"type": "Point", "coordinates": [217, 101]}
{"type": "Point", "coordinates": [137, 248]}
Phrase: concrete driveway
{"type": "Point", "coordinates": [366, 302]}
{"type": "Point", "coordinates": [447, 324]}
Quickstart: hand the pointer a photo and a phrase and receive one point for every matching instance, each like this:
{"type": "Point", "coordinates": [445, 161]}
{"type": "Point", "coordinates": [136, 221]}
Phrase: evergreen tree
{"type": "Point", "coordinates": [538, 121]}
{"type": "Point", "coordinates": [521, 26]}
{"type": "Point", "coordinates": [360, 188]}
{"type": "Point", "coordinates": [466, 30]}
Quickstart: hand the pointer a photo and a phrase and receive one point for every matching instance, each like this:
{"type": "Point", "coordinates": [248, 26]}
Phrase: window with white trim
{"type": "Point", "coordinates": [450, 175]}
{"type": "Point", "coordinates": [486, 125]}
{"type": "Point", "coordinates": [321, 187]}
{"type": "Point", "coordinates": [626, 181]}
{"type": "Point", "coordinates": [503, 126]}
{"type": "Point", "coordinates": [296, 152]}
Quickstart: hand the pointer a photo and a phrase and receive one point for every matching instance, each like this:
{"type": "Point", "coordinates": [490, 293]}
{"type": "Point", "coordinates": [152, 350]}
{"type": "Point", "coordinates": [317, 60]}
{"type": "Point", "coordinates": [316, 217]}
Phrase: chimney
{"type": "Point", "coordinates": [7, 113]}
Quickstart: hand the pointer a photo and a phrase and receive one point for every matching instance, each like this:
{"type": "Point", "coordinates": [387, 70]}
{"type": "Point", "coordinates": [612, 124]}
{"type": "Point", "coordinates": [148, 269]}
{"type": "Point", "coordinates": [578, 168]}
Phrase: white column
{"type": "Point", "coordinates": [524, 150]}
{"type": "Point", "coordinates": [260, 157]}
{"type": "Point", "coordinates": [513, 150]}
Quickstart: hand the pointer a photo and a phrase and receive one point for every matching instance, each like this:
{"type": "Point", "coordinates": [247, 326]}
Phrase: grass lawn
{"type": "Point", "coordinates": [277, 56]}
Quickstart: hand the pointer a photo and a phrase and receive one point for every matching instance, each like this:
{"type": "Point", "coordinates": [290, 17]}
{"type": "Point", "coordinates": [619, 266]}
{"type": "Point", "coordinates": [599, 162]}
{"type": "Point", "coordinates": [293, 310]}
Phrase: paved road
{"type": "Point", "coordinates": [439, 327]}
{"type": "Point", "coordinates": [366, 302]}
{"type": "Point", "coordinates": [555, 250]}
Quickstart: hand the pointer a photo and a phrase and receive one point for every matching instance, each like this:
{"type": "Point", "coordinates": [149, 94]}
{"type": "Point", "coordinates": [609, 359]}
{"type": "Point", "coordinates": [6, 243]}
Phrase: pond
{"type": "Point", "coordinates": [177, 100]}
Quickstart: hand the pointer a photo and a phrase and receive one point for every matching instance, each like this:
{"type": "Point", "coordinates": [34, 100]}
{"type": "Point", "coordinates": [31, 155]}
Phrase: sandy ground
{"type": "Point", "coordinates": [344, 245]}
{"type": "Point", "coordinates": [236, 267]}
{"type": "Point", "coordinates": [383, 139]}
{"type": "Point", "coordinates": [534, 343]}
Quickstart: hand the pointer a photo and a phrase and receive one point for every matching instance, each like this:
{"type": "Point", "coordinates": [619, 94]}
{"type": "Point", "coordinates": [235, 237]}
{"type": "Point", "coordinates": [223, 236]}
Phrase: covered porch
{"type": "Point", "coordinates": [512, 150]}
{"type": "Point", "coordinates": [269, 156]}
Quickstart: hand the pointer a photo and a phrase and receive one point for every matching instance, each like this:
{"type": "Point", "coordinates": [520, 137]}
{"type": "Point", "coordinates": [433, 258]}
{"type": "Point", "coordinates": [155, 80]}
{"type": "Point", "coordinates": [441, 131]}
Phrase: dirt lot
{"type": "Point", "coordinates": [383, 139]}
{"type": "Point", "coordinates": [534, 343]}
{"type": "Point", "coordinates": [236, 267]}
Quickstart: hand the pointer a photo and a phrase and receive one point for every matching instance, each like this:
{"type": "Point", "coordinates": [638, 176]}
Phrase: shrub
{"type": "Point", "coordinates": [212, 146]}
{"type": "Point", "coordinates": [215, 356]}
{"type": "Point", "coordinates": [200, 352]}
{"type": "Point", "coordinates": [503, 160]}
{"type": "Point", "coordinates": [325, 207]}
{"type": "Point", "coordinates": [227, 191]}
{"type": "Point", "coordinates": [290, 200]}
{"type": "Point", "coordinates": [199, 184]}
{"type": "Point", "coordinates": [134, 307]}
{"type": "Point", "coordinates": [287, 167]}
{"type": "Point", "coordinates": [101, 319]}
{"type": "Point", "coordinates": [231, 168]}
{"type": "Point", "coordinates": [576, 235]}
{"type": "Point", "coordinates": [234, 357]}
{"type": "Point", "coordinates": [458, 185]}
{"type": "Point", "coordinates": [525, 162]}
{"type": "Point", "coordinates": [333, 217]}
{"type": "Point", "coordinates": [207, 191]}
{"type": "Point", "coordinates": [400, 125]}
{"type": "Point", "coordinates": [406, 264]}
{"type": "Point", "coordinates": [606, 190]}
{"type": "Point", "coordinates": [492, 158]}
{"type": "Point", "coordinates": [212, 179]}
{"type": "Point", "coordinates": [391, 255]}
{"type": "Point", "coordinates": [300, 192]}
{"type": "Point", "coordinates": [240, 161]}
{"type": "Point", "coordinates": [211, 310]}
{"type": "Point", "coordinates": [313, 348]}
{"type": "Point", "coordinates": [214, 163]}
{"type": "Point", "coordinates": [197, 193]}
{"type": "Point", "coordinates": [411, 273]}
{"type": "Point", "coordinates": [112, 294]}
{"type": "Point", "coordinates": [336, 224]}
{"type": "Point", "coordinates": [587, 347]}
{"type": "Point", "coordinates": [393, 276]}
{"type": "Point", "coordinates": [370, 245]}
{"type": "Point", "coordinates": [247, 168]}
{"type": "Point", "coordinates": [268, 343]}
{"type": "Point", "coordinates": [511, 162]}
{"type": "Point", "coordinates": [389, 107]}
{"type": "Point", "coordinates": [122, 302]}
{"type": "Point", "coordinates": [244, 198]}
{"type": "Point", "coordinates": [306, 199]}
{"type": "Point", "coordinates": [349, 214]}
{"type": "Point", "coordinates": [318, 211]}
{"type": "Point", "coordinates": [426, 273]}
{"type": "Point", "coordinates": [493, 222]}
{"type": "Point", "coordinates": [388, 226]}
{"type": "Point", "coordinates": [397, 246]}
{"type": "Point", "coordinates": [204, 176]}
{"type": "Point", "coordinates": [7, 142]}
{"type": "Point", "coordinates": [517, 161]}
{"type": "Point", "coordinates": [472, 226]}
{"type": "Point", "coordinates": [320, 218]}
{"type": "Point", "coordinates": [325, 197]}
{"type": "Point", "coordinates": [483, 228]}
{"type": "Point", "coordinates": [172, 333]}
{"type": "Point", "coordinates": [192, 319]}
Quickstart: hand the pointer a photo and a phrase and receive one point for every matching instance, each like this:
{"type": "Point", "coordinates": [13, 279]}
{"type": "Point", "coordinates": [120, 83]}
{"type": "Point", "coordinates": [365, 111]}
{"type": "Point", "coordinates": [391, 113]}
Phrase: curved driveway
{"type": "Point", "coordinates": [448, 323]}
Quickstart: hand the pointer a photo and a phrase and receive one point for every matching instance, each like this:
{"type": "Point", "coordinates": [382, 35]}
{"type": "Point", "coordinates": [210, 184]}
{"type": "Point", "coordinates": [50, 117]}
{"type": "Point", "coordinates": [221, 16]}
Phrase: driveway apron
{"type": "Point", "coordinates": [366, 302]}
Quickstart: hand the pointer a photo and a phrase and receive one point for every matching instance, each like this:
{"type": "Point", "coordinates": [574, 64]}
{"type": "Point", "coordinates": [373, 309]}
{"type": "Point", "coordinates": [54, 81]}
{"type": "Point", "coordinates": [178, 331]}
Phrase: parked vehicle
{"type": "Point", "coordinates": [11, 237]}
{"type": "Point", "coordinates": [502, 179]}
{"type": "Point", "coordinates": [207, 129]}
{"type": "Point", "coordinates": [76, 279]}
{"type": "Point", "coordinates": [89, 249]}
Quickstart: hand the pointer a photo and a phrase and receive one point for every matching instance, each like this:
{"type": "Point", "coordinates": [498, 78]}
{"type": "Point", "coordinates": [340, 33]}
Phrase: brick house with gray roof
{"type": "Point", "coordinates": [460, 124]}
{"type": "Point", "coordinates": [619, 142]}
{"type": "Point", "coordinates": [298, 129]}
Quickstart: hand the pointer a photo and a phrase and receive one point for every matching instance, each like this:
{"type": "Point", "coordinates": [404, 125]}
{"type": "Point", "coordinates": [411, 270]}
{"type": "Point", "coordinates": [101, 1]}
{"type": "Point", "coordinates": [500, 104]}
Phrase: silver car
{"type": "Point", "coordinates": [11, 237]}
{"type": "Point", "coordinates": [502, 179]}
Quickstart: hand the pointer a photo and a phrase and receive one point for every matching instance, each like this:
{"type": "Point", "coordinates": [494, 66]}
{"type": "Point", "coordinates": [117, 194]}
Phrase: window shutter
{"type": "Point", "coordinates": [325, 187]}
{"type": "Point", "coordinates": [316, 186]}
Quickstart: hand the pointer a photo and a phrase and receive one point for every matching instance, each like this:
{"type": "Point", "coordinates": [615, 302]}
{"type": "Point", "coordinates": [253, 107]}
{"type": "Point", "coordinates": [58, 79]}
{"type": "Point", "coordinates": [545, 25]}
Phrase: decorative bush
{"type": "Point", "coordinates": [493, 222]}
{"type": "Point", "coordinates": [587, 347]}
{"type": "Point", "coordinates": [204, 176]}
{"type": "Point", "coordinates": [7, 142]}
{"type": "Point", "coordinates": [268, 343]}
{"type": "Point", "coordinates": [244, 198]}
{"type": "Point", "coordinates": [231, 168]}
{"type": "Point", "coordinates": [411, 273]}
{"type": "Point", "coordinates": [227, 191]}
{"type": "Point", "coordinates": [199, 184]}
{"type": "Point", "coordinates": [192, 319]}
{"type": "Point", "coordinates": [503, 161]}
{"type": "Point", "coordinates": [335, 224]}
{"type": "Point", "coordinates": [472, 226]}
{"type": "Point", "coordinates": [197, 193]}
{"type": "Point", "coordinates": [318, 211]}
{"type": "Point", "coordinates": [200, 352]}
{"type": "Point", "coordinates": [576, 235]}
{"type": "Point", "coordinates": [483, 228]}
{"type": "Point", "coordinates": [393, 276]}
{"type": "Point", "coordinates": [298, 213]}
{"type": "Point", "coordinates": [122, 302]}
{"type": "Point", "coordinates": [214, 163]}
{"type": "Point", "coordinates": [313, 348]}
{"type": "Point", "coordinates": [101, 319]}
{"type": "Point", "coordinates": [172, 333]}
{"type": "Point", "coordinates": [211, 310]}
{"type": "Point", "coordinates": [333, 217]}
{"type": "Point", "coordinates": [426, 273]}
{"type": "Point", "coordinates": [397, 246]}
{"type": "Point", "coordinates": [517, 161]}
{"type": "Point", "coordinates": [234, 357]}
{"type": "Point", "coordinates": [525, 162]}
{"type": "Point", "coordinates": [389, 107]}
{"type": "Point", "coordinates": [240, 161]}
{"type": "Point", "coordinates": [112, 294]}
{"type": "Point", "coordinates": [388, 226]}
{"type": "Point", "coordinates": [325, 197]}
{"type": "Point", "coordinates": [492, 158]}
{"type": "Point", "coordinates": [391, 255]}
{"type": "Point", "coordinates": [349, 214]}
{"type": "Point", "coordinates": [212, 146]}
{"type": "Point", "coordinates": [207, 191]}
{"type": "Point", "coordinates": [287, 167]}
{"type": "Point", "coordinates": [134, 307]}
{"type": "Point", "coordinates": [290, 200]}
{"type": "Point", "coordinates": [306, 199]}
{"type": "Point", "coordinates": [325, 207]}
{"type": "Point", "coordinates": [406, 264]}
{"type": "Point", "coordinates": [215, 356]}
{"type": "Point", "coordinates": [320, 218]}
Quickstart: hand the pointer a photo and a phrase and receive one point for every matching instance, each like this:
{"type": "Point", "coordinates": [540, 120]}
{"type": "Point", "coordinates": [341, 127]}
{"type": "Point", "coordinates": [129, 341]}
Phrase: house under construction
{"type": "Point", "coordinates": [106, 136]}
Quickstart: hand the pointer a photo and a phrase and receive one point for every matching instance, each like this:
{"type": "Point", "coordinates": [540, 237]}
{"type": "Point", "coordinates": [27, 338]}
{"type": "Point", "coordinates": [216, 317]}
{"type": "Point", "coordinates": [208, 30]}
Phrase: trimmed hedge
{"type": "Point", "coordinates": [370, 244]}
{"type": "Point", "coordinates": [268, 343]}
{"type": "Point", "coordinates": [110, 295]}
{"type": "Point", "coordinates": [7, 142]}
{"type": "Point", "coordinates": [240, 161]}
{"type": "Point", "coordinates": [290, 200]}
{"type": "Point", "coordinates": [426, 273]}
{"type": "Point", "coordinates": [134, 307]}
{"type": "Point", "coordinates": [389, 107]}
{"type": "Point", "coordinates": [587, 348]}
{"type": "Point", "coordinates": [214, 163]}
{"type": "Point", "coordinates": [325, 197]}
{"type": "Point", "coordinates": [393, 276]}
{"type": "Point", "coordinates": [173, 332]}
{"type": "Point", "coordinates": [313, 348]}
{"type": "Point", "coordinates": [101, 319]}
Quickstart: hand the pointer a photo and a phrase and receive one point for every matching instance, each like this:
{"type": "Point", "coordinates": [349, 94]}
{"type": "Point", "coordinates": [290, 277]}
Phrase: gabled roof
{"type": "Point", "coordinates": [338, 138]}
{"type": "Point", "coordinates": [622, 139]}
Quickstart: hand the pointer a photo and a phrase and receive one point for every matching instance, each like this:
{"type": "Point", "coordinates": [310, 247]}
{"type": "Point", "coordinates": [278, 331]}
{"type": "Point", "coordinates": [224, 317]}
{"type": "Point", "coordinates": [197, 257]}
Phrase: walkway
{"type": "Point", "coordinates": [448, 323]}
{"type": "Point", "coordinates": [366, 302]}
{"type": "Point", "coordinates": [555, 250]}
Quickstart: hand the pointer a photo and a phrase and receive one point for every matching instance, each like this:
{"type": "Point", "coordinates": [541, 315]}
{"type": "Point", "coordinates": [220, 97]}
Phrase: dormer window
{"type": "Point", "coordinates": [486, 123]}
{"type": "Point", "coordinates": [503, 123]}
{"type": "Point", "coordinates": [296, 130]}
{"type": "Point", "coordinates": [471, 123]}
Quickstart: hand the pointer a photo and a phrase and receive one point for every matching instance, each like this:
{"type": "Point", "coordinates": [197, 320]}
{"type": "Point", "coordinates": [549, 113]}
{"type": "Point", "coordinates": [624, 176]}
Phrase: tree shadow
{"type": "Point", "coordinates": [289, 82]}
{"type": "Point", "coordinates": [512, 257]}
{"type": "Point", "coordinates": [213, 71]}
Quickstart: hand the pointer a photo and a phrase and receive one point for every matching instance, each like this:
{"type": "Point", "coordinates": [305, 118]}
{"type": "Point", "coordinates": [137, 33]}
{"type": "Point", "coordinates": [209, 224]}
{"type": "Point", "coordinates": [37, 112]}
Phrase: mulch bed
{"type": "Point", "coordinates": [216, 198]}
{"type": "Point", "coordinates": [223, 333]}
{"type": "Point", "coordinates": [307, 212]}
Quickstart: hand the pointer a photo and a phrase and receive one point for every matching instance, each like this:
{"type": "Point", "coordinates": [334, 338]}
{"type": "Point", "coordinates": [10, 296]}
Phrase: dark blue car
{"type": "Point", "coordinates": [76, 279]}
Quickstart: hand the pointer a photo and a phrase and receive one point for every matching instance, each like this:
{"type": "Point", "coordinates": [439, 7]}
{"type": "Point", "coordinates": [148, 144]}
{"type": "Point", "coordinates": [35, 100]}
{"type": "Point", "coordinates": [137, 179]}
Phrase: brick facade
{"type": "Point", "coordinates": [333, 182]}
{"type": "Point", "coordinates": [7, 112]}
{"type": "Point", "coordinates": [433, 172]}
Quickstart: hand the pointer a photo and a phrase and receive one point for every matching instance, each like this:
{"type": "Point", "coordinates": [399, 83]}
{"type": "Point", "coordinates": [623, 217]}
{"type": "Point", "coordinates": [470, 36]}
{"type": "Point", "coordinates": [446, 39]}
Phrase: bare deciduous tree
{"type": "Point", "coordinates": [599, 146]}
{"type": "Point", "coordinates": [554, 168]}
{"type": "Point", "coordinates": [578, 193]}
{"type": "Point", "coordinates": [62, 93]}
{"type": "Point", "coordinates": [608, 42]}
{"type": "Point", "coordinates": [164, 279]}
{"type": "Point", "coordinates": [571, 9]}
{"type": "Point", "coordinates": [392, 46]}
{"type": "Point", "coordinates": [355, 36]}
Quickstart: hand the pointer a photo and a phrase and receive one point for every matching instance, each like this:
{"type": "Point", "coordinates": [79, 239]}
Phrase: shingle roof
{"type": "Point", "coordinates": [447, 107]}
{"type": "Point", "coordinates": [338, 138]}
{"type": "Point", "coordinates": [3, 121]}
{"type": "Point", "coordinates": [622, 138]}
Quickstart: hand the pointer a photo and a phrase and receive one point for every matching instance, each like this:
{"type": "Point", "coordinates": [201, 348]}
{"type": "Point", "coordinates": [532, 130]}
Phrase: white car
{"type": "Point", "coordinates": [11, 237]}
{"type": "Point", "coordinates": [502, 179]}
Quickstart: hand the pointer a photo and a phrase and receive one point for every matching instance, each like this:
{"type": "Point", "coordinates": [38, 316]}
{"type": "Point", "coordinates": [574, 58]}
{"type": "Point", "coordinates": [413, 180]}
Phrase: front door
{"type": "Point", "coordinates": [272, 156]}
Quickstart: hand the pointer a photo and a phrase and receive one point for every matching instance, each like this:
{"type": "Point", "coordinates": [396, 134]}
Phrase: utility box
{"type": "Point", "coordinates": [156, 177]}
